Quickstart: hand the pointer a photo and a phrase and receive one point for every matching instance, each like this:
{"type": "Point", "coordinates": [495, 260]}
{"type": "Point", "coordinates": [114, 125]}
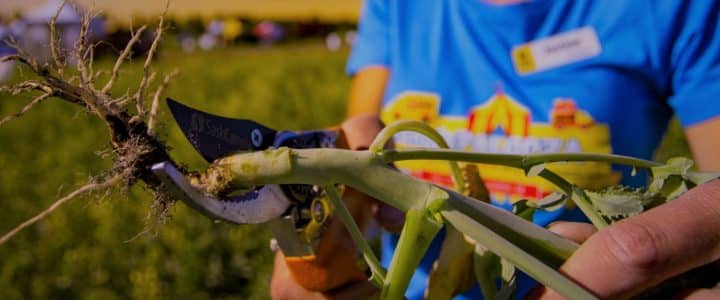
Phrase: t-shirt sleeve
{"type": "Point", "coordinates": [371, 45]}
{"type": "Point", "coordinates": [695, 64]}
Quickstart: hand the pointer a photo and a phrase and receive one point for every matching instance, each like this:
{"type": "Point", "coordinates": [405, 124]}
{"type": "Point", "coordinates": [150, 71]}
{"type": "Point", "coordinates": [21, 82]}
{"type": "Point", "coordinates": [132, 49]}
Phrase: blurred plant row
{"type": "Point", "coordinates": [28, 25]}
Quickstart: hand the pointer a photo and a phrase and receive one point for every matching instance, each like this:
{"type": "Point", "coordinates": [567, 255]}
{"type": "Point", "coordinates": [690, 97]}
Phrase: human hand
{"type": "Point", "coordinates": [284, 286]}
{"type": "Point", "coordinates": [359, 131]}
{"type": "Point", "coordinates": [640, 252]}
{"type": "Point", "coordinates": [327, 276]}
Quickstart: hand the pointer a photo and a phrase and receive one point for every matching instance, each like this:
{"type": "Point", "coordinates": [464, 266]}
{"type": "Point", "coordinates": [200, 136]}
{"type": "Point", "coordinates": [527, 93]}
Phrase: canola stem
{"type": "Point", "coordinates": [576, 195]}
{"type": "Point", "coordinates": [408, 125]}
{"type": "Point", "coordinates": [524, 162]}
{"type": "Point", "coordinates": [517, 256]}
{"type": "Point", "coordinates": [378, 273]}
{"type": "Point", "coordinates": [531, 247]}
{"type": "Point", "coordinates": [417, 234]}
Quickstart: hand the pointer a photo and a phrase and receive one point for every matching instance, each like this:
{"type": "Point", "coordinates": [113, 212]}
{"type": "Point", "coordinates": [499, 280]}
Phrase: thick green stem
{"type": "Point", "coordinates": [546, 246]}
{"type": "Point", "coordinates": [358, 169]}
{"type": "Point", "coordinates": [388, 132]}
{"type": "Point", "coordinates": [361, 171]}
{"type": "Point", "coordinates": [378, 273]}
{"type": "Point", "coordinates": [486, 266]}
{"type": "Point", "coordinates": [418, 232]}
{"type": "Point", "coordinates": [370, 175]}
{"type": "Point", "coordinates": [515, 255]}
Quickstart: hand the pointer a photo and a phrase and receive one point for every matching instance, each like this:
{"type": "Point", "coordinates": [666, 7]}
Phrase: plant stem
{"type": "Point", "coordinates": [486, 266]}
{"type": "Point", "coordinates": [388, 132]}
{"type": "Point", "coordinates": [546, 246]}
{"type": "Point", "coordinates": [360, 170]}
{"type": "Point", "coordinates": [526, 162]}
{"type": "Point", "coordinates": [539, 158]}
{"type": "Point", "coordinates": [576, 195]}
{"type": "Point", "coordinates": [378, 273]}
{"type": "Point", "coordinates": [527, 243]}
{"type": "Point", "coordinates": [325, 166]}
{"type": "Point", "coordinates": [417, 235]}
{"type": "Point", "coordinates": [515, 255]}
{"type": "Point", "coordinates": [512, 160]}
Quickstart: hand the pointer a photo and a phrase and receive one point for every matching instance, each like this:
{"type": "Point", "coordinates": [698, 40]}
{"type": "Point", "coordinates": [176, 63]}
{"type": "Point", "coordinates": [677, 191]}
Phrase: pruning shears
{"type": "Point", "coordinates": [296, 214]}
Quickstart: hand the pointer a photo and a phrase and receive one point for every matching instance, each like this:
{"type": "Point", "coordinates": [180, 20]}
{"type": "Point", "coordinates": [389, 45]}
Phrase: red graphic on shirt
{"type": "Point", "coordinates": [500, 114]}
{"type": "Point", "coordinates": [494, 186]}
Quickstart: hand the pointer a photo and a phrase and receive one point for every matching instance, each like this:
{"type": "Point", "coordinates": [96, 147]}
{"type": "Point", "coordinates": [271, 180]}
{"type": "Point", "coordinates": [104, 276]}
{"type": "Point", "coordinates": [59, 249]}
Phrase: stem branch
{"type": "Point", "coordinates": [378, 273]}
{"type": "Point", "coordinates": [512, 160]}
{"type": "Point", "coordinates": [417, 235]}
{"type": "Point", "coordinates": [577, 195]}
{"type": "Point", "coordinates": [515, 255]}
{"type": "Point", "coordinates": [408, 125]}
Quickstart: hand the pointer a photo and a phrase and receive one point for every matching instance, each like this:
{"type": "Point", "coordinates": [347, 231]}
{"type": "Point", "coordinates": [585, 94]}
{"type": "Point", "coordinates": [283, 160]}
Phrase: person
{"type": "Point", "coordinates": [511, 76]}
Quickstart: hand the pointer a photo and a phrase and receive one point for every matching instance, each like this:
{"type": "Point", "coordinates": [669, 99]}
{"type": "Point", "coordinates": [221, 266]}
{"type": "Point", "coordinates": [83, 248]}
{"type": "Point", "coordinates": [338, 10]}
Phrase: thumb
{"type": "Point", "coordinates": [637, 253]}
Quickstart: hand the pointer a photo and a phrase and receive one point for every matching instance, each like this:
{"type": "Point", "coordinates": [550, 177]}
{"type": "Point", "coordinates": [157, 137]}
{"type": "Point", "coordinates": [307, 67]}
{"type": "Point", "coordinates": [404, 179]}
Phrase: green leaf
{"type": "Point", "coordinates": [673, 187]}
{"type": "Point", "coordinates": [681, 164]}
{"type": "Point", "coordinates": [674, 166]}
{"type": "Point", "coordinates": [617, 202]}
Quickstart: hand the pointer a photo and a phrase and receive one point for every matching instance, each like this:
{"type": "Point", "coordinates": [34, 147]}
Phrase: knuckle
{"type": "Point", "coordinates": [635, 246]}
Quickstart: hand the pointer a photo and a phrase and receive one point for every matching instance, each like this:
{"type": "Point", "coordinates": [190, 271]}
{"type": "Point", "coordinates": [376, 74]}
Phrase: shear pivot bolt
{"type": "Point", "coordinates": [318, 211]}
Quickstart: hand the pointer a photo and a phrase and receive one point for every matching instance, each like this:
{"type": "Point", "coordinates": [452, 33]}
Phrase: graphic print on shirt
{"type": "Point", "coordinates": [501, 124]}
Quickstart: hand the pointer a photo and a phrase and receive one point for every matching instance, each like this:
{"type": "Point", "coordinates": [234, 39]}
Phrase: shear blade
{"type": "Point", "coordinates": [254, 207]}
{"type": "Point", "coordinates": [215, 136]}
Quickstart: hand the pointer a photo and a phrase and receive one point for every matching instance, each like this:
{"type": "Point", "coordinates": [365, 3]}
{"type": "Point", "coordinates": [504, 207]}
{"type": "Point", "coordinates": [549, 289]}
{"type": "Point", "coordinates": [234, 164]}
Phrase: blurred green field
{"type": "Point", "coordinates": [122, 13]}
{"type": "Point", "coordinates": [82, 250]}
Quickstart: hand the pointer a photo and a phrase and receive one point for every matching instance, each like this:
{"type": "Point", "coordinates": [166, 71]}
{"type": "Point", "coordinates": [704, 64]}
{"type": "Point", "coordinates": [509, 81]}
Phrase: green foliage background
{"type": "Point", "coordinates": [86, 250]}
{"type": "Point", "coordinates": [82, 250]}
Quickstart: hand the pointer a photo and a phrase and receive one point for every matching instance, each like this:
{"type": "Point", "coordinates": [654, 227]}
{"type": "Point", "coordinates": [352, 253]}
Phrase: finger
{"type": "Point", "coordinates": [283, 285]}
{"type": "Point", "coordinates": [574, 231]}
{"type": "Point", "coordinates": [390, 218]}
{"type": "Point", "coordinates": [641, 251]}
{"type": "Point", "coordinates": [360, 131]}
{"type": "Point", "coordinates": [703, 294]}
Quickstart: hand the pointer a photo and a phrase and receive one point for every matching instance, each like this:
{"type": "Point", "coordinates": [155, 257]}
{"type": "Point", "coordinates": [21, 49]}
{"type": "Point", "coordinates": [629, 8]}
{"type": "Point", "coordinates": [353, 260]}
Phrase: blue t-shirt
{"type": "Point", "coordinates": [541, 76]}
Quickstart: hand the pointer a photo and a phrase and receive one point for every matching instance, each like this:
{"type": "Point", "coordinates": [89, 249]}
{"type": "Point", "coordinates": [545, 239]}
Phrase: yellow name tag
{"type": "Point", "coordinates": [554, 51]}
